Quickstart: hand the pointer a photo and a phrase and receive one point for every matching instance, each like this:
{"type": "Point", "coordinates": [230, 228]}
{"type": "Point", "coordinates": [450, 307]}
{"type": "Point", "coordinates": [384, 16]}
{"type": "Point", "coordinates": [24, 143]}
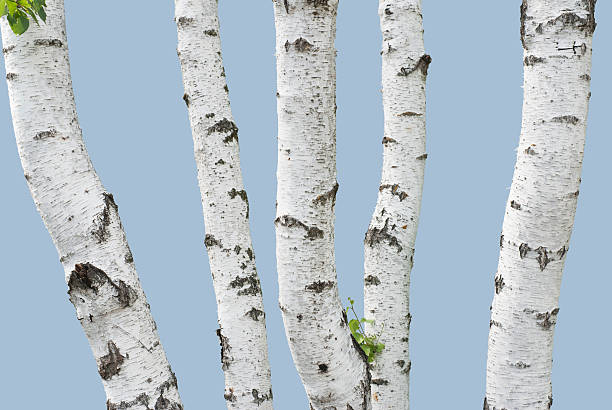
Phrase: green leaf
{"type": "Point", "coordinates": [359, 338]}
{"type": "Point", "coordinates": [354, 325]}
{"type": "Point", "coordinates": [379, 347]}
{"type": "Point", "coordinates": [3, 9]}
{"type": "Point", "coordinates": [12, 7]}
{"type": "Point", "coordinates": [367, 349]}
{"type": "Point", "coordinates": [19, 22]}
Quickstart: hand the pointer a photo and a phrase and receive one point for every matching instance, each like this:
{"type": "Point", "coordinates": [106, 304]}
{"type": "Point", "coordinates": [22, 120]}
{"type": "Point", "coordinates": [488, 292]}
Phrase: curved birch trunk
{"type": "Point", "coordinates": [557, 37]}
{"type": "Point", "coordinates": [244, 349]}
{"type": "Point", "coordinates": [83, 221]}
{"type": "Point", "coordinates": [331, 367]}
{"type": "Point", "coordinates": [389, 242]}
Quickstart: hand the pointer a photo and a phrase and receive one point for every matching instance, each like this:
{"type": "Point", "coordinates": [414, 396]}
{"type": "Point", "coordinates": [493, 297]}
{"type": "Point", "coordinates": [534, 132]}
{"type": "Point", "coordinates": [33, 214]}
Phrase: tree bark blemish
{"type": "Point", "coordinates": [110, 364]}
{"type": "Point", "coordinates": [48, 42]}
{"type": "Point", "coordinates": [372, 280]}
{"type": "Point", "coordinates": [312, 232]}
{"type": "Point", "coordinates": [86, 277]}
{"type": "Point", "coordinates": [328, 196]}
{"type": "Point", "coordinates": [225, 349]}
{"type": "Point", "coordinates": [320, 286]}
{"type": "Point", "coordinates": [210, 241]}
{"type": "Point", "coordinates": [376, 235]}
{"type": "Point", "coordinates": [422, 64]}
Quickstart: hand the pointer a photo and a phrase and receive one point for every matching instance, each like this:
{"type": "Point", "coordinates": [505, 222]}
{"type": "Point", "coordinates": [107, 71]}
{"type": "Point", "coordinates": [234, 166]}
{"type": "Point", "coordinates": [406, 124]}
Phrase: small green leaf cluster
{"type": "Point", "coordinates": [17, 12]}
{"type": "Point", "coordinates": [369, 343]}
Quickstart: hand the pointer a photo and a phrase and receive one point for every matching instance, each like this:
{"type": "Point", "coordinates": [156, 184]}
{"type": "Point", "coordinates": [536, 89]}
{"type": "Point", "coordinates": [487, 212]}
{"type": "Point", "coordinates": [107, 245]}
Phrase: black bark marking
{"type": "Point", "coordinates": [230, 396]}
{"type": "Point", "coordinates": [11, 76]}
{"type": "Point", "coordinates": [422, 157]}
{"type": "Point", "coordinates": [86, 277]}
{"type": "Point", "coordinates": [328, 196]}
{"type": "Point", "coordinates": [568, 119]}
{"type": "Point", "coordinates": [225, 126]}
{"type": "Point", "coordinates": [210, 241]}
{"type": "Point", "coordinates": [550, 397]}
{"type": "Point", "coordinates": [103, 220]}
{"type": "Point", "coordinates": [562, 252]}
{"type": "Point", "coordinates": [533, 60]}
{"type": "Point", "coordinates": [225, 349]}
{"type": "Point", "coordinates": [226, 88]}
{"type": "Point", "coordinates": [317, 3]}
{"type": "Point", "coordinates": [499, 284]}
{"type": "Point", "coordinates": [312, 232]}
{"type": "Point", "coordinates": [258, 399]}
{"type": "Point", "coordinates": [485, 406]}
{"type": "Point", "coordinates": [523, 35]}
{"type": "Point", "coordinates": [410, 114]}
{"type": "Point", "coordinates": [501, 241]}
{"type": "Point", "coordinates": [585, 77]}
{"type": "Point", "coordinates": [323, 368]}
{"type": "Point", "coordinates": [530, 150]}
{"type": "Point", "coordinates": [8, 49]}
{"type": "Point", "coordinates": [394, 191]}
{"type": "Point", "coordinates": [48, 42]}
{"type": "Point", "coordinates": [546, 320]}
{"type": "Point", "coordinates": [211, 32]}
{"type": "Point", "coordinates": [523, 249]}
{"type": "Point", "coordinates": [494, 323]}
{"type": "Point", "coordinates": [141, 400]}
{"type": "Point", "coordinates": [255, 314]}
{"type": "Point", "coordinates": [243, 195]}
{"type": "Point", "coordinates": [372, 280]}
{"type": "Point", "coordinates": [380, 382]}
{"type": "Point", "coordinates": [163, 403]}
{"type": "Point", "coordinates": [110, 364]}
{"type": "Point", "coordinates": [543, 259]}
{"type": "Point", "coordinates": [319, 286]}
{"type": "Point", "coordinates": [253, 286]}
{"type": "Point", "coordinates": [52, 133]}
{"type": "Point", "coordinates": [572, 19]}
{"type": "Point", "coordinates": [210, 115]}
{"type": "Point", "coordinates": [286, 6]}
{"type": "Point", "coordinates": [515, 205]}
{"type": "Point", "coordinates": [387, 140]}
{"type": "Point", "coordinates": [422, 64]}
{"type": "Point", "coordinates": [250, 253]}
{"type": "Point", "coordinates": [520, 365]}
{"type": "Point", "coordinates": [186, 99]}
{"type": "Point", "coordinates": [375, 236]}
{"type": "Point", "coordinates": [184, 21]}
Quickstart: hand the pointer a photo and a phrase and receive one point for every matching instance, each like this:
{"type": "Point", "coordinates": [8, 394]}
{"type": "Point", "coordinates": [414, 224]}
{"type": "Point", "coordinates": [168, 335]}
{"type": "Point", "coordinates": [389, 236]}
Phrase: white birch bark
{"type": "Point", "coordinates": [82, 219]}
{"type": "Point", "coordinates": [244, 349]}
{"type": "Point", "coordinates": [557, 38]}
{"type": "Point", "coordinates": [332, 368]}
{"type": "Point", "coordinates": [389, 242]}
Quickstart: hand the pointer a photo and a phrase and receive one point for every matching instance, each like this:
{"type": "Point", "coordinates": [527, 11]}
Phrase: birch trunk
{"type": "Point", "coordinates": [389, 242]}
{"type": "Point", "coordinates": [83, 221]}
{"type": "Point", "coordinates": [557, 38]}
{"type": "Point", "coordinates": [242, 333]}
{"type": "Point", "coordinates": [331, 367]}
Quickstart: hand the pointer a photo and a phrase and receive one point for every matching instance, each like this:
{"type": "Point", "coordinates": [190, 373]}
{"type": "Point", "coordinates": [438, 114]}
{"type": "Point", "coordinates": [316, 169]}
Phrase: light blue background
{"type": "Point", "coordinates": [128, 90]}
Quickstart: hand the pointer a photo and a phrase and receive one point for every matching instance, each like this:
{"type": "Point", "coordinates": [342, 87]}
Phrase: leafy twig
{"type": "Point", "coordinates": [368, 343]}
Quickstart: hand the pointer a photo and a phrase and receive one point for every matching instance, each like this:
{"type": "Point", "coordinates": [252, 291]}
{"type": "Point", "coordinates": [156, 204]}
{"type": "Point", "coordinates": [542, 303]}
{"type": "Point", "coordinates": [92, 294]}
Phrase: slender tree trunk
{"type": "Point", "coordinates": [332, 368]}
{"type": "Point", "coordinates": [83, 221]}
{"type": "Point", "coordinates": [389, 242]}
{"type": "Point", "coordinates": [557, 37]}
{"type": "Point", "coordinates": [244, 349]}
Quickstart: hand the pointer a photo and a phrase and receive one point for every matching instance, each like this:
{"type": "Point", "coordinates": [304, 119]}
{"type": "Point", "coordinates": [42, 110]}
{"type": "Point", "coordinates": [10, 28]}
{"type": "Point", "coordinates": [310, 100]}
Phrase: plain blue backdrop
{"type": "Point", "coordinates": [128, 89]}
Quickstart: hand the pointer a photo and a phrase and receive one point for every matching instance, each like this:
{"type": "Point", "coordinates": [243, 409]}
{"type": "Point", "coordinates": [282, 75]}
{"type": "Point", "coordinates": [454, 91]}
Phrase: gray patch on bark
{"type": "Point", "coordinates": [230, 396]}
{"type": "Point", "coordinates": [225, 126]}
{"type": "Point", "coordinates": [499, 284]}
{"type": "Point", "coordinates": [523, 35]}
{"type": "Point", "coordinates": [110, 364]}
{"type": "Point", "coordinates": [328, 196]}
{"type": "Point", "coordinates": [86, 277]}
{"type": "Point", "coordinates": [520, 365]}
{"type": "Point", "coordinates": [572, 19]}
{"type": "Point", "coordinates": [163, 403]}
{"type": "Point", "coordinates": [211, 32]}
{"type": "Point", "coordinates": [250, 253]}
{"type": "Point", "coordinates": [8, 49]}
{"type": "Point", "coordinates": [410, 114]}
{"type": "Point", "coordinates": [568, 119]}
{"type": "Point", "coordinates": [301, 45]}
{"type": "Point", "coordinates": [515, 205]}
{"type": "Point", "coordinates": [52, 133]}
{"type": "Point", "coordinates": [243, 195]}
{"type": "Point", "coordinates": [255, 314]}
{"type": "Point", "coordinates": [380, 382]}
{"type": "Point", "coordinates": [260, 398]}
{"type": "Point", "coordinates": [318, 3]}
{"type": "Point", "coordinates": [542, 258]}
{"type": "Point", "coordinates": [523, 249]}
{"type": "Point", "coordinates": [530, 151]}
{"type": "Point", "coordinates": [372, 280]}
{"type": "Point", "coordinates": [11, 76]}
{"type": "Point", "coordinates": [251, 282]}
{"type": "Point", "coordinates": [102, 221]}
{"type": "Point", "coordinates": [422, 64]}
{"type": "Point", "coordinates": [533, 60]}
{"type": "Point", "coordinates": [387, 140]}
{"type": "Point", "coordinates": [210, 241]}
{"type": "Point", "coordinates": [495, 323]}
{"type": "Point", "coordinates": [394, 191]}
{"type": "Point", "coordinates": [375, 236]}
{"type": "Point", "coordinates": [320, 286]}
{"type": "Point", "coordinates": [48, 42]}
{"type": "Point", "coordinates": [141, 400]}
{"type": "Point", "coordinates": [545, 320]}
{"type": "Point", "coordinates": [184, 21]}
{"type": "Point", "coordinates": [585, 77]}
{"type": "Point", "coordinates": [225, 349]}
{"type": "Point", "coordinates": [312, 232]}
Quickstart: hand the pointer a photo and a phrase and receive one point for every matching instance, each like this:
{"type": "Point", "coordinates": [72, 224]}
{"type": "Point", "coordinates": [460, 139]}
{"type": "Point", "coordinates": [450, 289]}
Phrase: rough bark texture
{"type": "Point", "coordinates": [242, 333]}
{"type": "Point", "coordinates": [332, 369]}
{"type": "Point", "coordinates": [557, 37]}
{"type": "Point", "coordinates": [83, 221]}
{"type": "Point", "coordinates": [389, 242]}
